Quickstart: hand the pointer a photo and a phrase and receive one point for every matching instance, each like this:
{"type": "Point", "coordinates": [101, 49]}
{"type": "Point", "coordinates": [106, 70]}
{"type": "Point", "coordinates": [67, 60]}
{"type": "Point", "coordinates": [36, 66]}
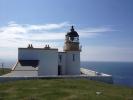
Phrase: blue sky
{"type": "Point", "coordinates": [104, 26]}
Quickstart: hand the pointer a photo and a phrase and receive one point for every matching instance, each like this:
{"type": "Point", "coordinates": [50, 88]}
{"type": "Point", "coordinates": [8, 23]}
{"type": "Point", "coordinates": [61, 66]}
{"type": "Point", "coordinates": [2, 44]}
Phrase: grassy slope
{"type": "Point", "coordinates": [6, 70]}
{"type": "Point", "coordinates": [62, 90]}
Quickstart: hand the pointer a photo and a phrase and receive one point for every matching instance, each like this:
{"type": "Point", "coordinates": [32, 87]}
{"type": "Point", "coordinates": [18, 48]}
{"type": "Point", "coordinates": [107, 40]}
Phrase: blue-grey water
{"type": "Point", "coordinates": [122, 72]}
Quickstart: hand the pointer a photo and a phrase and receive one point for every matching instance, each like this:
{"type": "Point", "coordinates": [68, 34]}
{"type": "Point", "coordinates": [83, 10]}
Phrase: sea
{"type": "Point", "coordinates": [122, 72]}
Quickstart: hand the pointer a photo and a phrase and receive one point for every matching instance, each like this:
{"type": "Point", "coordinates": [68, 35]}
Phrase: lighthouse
{"type": "Point", "coordinates": [49, 61]}
{"type": "Point", "coordinates": [72, 49]}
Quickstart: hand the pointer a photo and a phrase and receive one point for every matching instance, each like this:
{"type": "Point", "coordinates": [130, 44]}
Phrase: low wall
{"type": "Point", "coordinates": [106, 79]}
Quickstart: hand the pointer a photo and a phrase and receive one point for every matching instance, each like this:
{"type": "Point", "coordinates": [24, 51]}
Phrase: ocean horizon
{"type": "Point", "coordinates": [122, 72]}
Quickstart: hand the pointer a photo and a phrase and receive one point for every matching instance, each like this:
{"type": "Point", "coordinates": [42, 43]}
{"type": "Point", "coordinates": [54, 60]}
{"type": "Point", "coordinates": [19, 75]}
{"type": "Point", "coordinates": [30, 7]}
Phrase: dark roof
{"type": "Point", "coordinates": [33, 63]}
{"type": "Point", "coordinates": [72, 33]}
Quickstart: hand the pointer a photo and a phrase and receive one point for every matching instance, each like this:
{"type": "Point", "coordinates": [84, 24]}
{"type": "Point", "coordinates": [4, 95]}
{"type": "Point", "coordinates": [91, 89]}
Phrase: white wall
{"type": "Point", "coordinates": [73, 67]}
{"type": "Point", "coordinates": [48, 59]}
{"type": "Point", "coordinates": [29, 54]}
{"type": "Point", "coordinates": [48, 63]}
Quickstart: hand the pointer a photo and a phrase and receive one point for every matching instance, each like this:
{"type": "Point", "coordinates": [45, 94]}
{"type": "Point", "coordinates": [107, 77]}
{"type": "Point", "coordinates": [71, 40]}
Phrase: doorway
{"type": "Point", "coordinates": [59, 70]}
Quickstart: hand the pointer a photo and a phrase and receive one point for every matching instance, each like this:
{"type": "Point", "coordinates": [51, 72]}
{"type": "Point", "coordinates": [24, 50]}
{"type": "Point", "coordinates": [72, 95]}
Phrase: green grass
{"type": "Point", "coordinates": [4, 71]}
{"type": "Point", "coordinates": [63, 89]}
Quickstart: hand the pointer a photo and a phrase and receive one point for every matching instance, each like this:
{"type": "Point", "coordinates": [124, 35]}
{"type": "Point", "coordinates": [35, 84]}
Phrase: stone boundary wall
{"type": "Point", "coordinates": [106, 79]}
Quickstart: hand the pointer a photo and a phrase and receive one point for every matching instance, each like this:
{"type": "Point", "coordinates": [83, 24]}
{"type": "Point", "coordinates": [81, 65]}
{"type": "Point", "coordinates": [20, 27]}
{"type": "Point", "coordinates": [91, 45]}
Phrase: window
{"type": "Point", "coordinates": [60, 58]}
{"type": "Point", "coordinates": [73, 57]}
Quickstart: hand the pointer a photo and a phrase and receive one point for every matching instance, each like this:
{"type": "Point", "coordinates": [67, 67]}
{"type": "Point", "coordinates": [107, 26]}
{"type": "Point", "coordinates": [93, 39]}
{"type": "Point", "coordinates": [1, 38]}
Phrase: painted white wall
{"type": "Point", "coordinates": [62, 63]}
{"type": "Point", "coordinates": [48, 59]}
{"type": "Point", "coordinates": [72, 67]}
{"type": "Point", "coordinates": [29, 54]}
{"type": "Point", "coordinates": [49, 63]}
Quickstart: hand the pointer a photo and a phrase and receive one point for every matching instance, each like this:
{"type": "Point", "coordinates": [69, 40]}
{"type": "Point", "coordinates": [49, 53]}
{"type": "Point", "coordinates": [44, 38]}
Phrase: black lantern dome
{"type": "Point", "coordinates": [72, 33]}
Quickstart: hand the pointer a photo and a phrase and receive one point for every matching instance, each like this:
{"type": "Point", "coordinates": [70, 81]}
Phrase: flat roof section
{"type": "Point", "coordinates": [40, 48]}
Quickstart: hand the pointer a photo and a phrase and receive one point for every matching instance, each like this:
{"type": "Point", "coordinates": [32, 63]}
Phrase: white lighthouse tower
{"type": "Point", "coordinates": [72, 49]}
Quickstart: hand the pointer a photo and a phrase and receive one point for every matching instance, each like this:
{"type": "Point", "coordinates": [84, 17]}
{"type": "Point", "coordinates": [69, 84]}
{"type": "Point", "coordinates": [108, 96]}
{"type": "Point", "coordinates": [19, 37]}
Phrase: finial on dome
{"type": "Point", "coordinates": [72, 28]}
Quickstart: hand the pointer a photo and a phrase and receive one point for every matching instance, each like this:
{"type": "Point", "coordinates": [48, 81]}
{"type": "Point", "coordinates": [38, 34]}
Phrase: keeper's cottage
{"type": "Point", "coordinates": [49, 61]}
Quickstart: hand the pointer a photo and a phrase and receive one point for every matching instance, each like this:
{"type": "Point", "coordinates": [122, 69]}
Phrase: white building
{"type": "Point", "coordinates": [48, 61]}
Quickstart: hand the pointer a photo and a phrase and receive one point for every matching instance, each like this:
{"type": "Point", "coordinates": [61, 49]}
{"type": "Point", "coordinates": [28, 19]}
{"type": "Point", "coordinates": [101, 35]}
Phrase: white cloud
{"type": "Point", "coordinates": [94, 31]}
{"type": "Point", "coordinates": [15, 34]}
{"type": "Point", "coordinates": [19, 35]}
{"type": "Point", "coordinates": [97, 30]}
{"type": "Point", "coordinates": [47, 26]}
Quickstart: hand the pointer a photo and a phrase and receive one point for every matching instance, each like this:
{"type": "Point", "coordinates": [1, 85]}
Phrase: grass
{"type": "Point", "coordinates": [63, 89]}
{"type": "Point", "coordinates": [4, 71]}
